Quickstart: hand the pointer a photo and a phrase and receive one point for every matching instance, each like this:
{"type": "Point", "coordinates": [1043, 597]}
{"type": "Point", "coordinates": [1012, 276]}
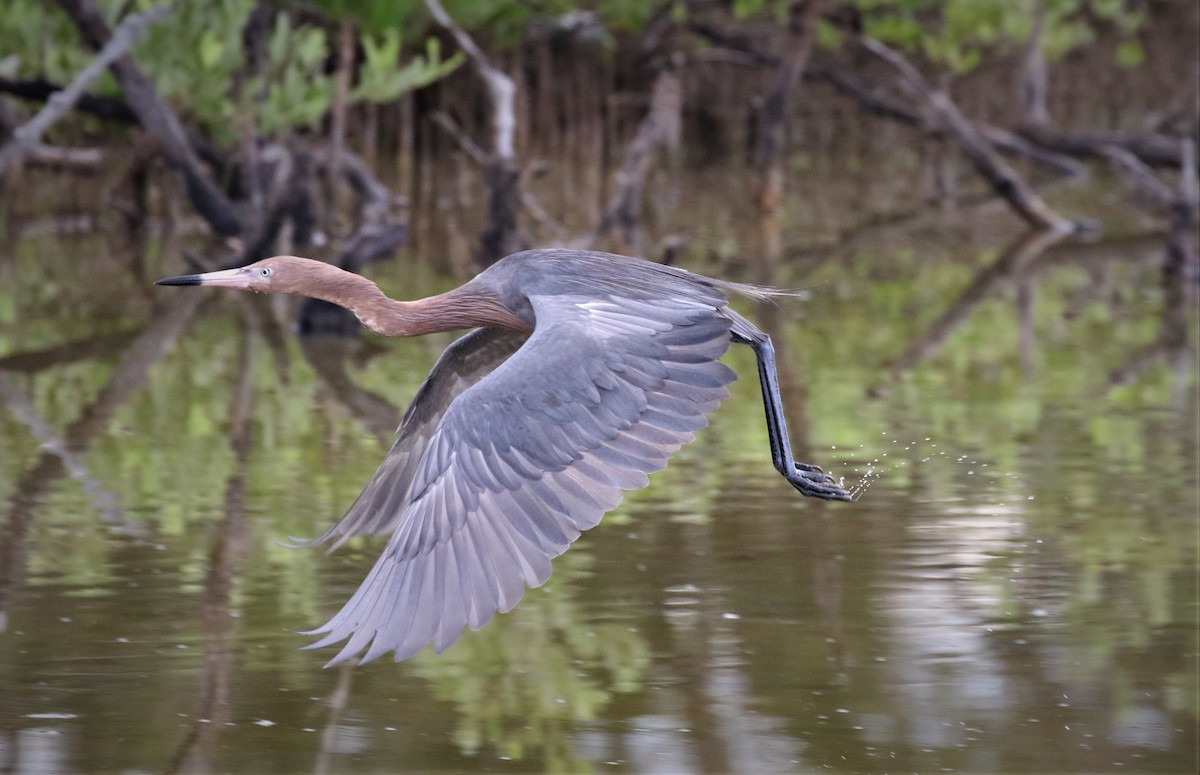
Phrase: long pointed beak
{"type": "Point", "coordinates": [233, 278]}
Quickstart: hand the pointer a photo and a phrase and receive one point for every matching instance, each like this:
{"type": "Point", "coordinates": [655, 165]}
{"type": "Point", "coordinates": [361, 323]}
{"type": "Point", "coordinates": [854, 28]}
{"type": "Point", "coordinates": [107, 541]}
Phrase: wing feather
{"type": "Point", "coordinates": [524, 451]}
{"type": "Point", "coordinates": [467, 360]}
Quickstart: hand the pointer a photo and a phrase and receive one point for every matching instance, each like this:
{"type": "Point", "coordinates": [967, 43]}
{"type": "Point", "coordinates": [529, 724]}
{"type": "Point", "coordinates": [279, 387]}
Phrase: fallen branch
{"type": "Point", "coordinates": [1130, 167]}
{"type": "Point", "coordinates": [41, 90]}
{"type": "Point", "coordinates": [1156, 150]}
{"type": "Point", "coordinates": [26, 136]}
{"type": "Point", "coordinates": [157, 117]}
{"type": "Point", "coordinates": [877, 103]}
{"type": "Point", "coordinates": [86, 159]}
{"type": "Point", "coordinates": [1004, 180]}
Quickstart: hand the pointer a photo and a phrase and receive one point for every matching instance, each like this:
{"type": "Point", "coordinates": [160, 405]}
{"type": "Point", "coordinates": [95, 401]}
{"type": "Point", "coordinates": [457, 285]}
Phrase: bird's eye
{"type": "Point", "coordinates": [265, 271]}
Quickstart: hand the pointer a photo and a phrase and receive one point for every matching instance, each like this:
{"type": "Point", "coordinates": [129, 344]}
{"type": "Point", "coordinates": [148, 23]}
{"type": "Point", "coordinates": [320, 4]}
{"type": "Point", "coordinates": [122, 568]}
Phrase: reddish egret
{"type": "Point", "coordinates": [583, 374]}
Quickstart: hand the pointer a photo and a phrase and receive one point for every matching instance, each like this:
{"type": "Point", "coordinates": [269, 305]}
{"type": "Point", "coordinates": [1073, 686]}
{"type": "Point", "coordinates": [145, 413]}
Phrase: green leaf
{"type": "Point", "coordinates": [1130, 53]}
{"type": "Point", "coordinates": [209, 50]}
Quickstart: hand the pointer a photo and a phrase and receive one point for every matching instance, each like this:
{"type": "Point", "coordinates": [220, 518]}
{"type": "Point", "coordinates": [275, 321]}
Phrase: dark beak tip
{"type": "Point", "coordinates": [188, 279]}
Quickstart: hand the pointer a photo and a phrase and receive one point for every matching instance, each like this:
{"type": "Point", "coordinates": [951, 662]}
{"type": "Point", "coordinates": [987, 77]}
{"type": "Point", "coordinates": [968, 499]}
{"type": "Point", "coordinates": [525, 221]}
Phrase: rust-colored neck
{"type": "Point", "coordinates": [468, 306]}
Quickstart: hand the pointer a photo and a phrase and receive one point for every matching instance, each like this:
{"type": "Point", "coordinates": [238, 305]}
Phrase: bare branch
{"type": "Point", "coordinates": [500, 87]}
{"type": "Point", "coordinates": [657, 130]}
{"type": "Point", "coordinates": [1003, 179]}
{"type": "Point", "coordinates": [1141, 176]}
{"type": "Point", "coordinates": [26, 136]}
{"type": "Point", "coordinates": [159, 120]}
{"type": "Point", "coordinates": [468, 146]}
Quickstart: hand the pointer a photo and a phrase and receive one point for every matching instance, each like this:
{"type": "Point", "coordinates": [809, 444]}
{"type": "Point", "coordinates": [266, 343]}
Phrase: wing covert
{"type": "Point", "coordinates": [527, 457]}
{"type": "Point", "coordinates": [467, 360]}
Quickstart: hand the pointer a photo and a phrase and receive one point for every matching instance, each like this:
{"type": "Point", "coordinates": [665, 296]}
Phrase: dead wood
{"type": "Point", "coordinates": [160, 120]}
{"type": "Point", "coordinates": [946, 116]}
{"type": "Point", "coordinates": [40, 90]}
{"type": "Point", "coordinates": [28, 135]}
{"type": "Point", "coordinates": [879, 103]}
{"type": "Point", "coordinates": [77, 159]}
{"type": "Point", "coordinates": [659, 129]}
{"type": "Point", "coordinates": [1156, 150]}
{"type": "Point", "coordinates": [770, 143]}
{"type": "Point", "coordinates": [502, 173]}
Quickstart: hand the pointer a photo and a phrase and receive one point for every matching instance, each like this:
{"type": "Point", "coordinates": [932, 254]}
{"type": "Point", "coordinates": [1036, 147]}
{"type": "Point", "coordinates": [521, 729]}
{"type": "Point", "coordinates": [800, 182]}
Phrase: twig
{"type": "Point", "coordinates": [26, 136]}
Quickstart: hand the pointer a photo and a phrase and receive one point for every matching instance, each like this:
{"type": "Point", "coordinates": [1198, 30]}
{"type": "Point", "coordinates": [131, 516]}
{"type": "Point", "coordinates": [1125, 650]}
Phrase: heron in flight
{"type": "Point", "coordinates": [583, 373]}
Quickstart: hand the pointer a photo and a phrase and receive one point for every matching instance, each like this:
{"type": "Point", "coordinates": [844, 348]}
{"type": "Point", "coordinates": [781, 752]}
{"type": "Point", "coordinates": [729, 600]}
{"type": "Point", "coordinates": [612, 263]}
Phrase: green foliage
{"type": "Point", "coordinates": [191, 54]}
{"type": "Point", "coordinates": [776, 9]}
{"type": "Point", "coordinates": [196, 59]}
{"type": "Point", "coordinates": [1079, 497]}
{"type": "Point", "coordinates": [380, 81]}
{"type": "Point", "coordinates": [298, 92]}
{"type": "Point", "coordinates": [958, 33]}
{"type": "Point", "coordinates": [37, 40]}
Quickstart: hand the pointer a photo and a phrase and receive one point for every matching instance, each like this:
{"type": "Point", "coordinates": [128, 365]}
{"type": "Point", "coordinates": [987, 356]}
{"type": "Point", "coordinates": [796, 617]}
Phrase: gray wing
{"type": "Point", "coordinates": [601, 394]}
{"type": "Point", "coordinates": [381, 503]}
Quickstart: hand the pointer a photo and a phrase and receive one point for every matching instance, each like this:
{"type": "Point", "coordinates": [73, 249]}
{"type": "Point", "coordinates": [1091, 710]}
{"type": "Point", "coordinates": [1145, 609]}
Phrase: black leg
{"type": "Point", "coordinates": [808, 479]}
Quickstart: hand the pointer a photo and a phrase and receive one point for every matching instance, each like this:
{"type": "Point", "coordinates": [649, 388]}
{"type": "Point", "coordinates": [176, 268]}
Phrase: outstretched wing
{"type": "Point", "coordinates": [381, 503]}
{"type": "Point", "coordinates": [602, 393]}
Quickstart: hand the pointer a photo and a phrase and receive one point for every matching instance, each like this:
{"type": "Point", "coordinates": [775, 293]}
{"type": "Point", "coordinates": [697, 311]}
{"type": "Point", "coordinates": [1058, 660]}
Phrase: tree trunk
{"type": "Point", "coordinates": [771, 143]}
{"type": "Point", "coordinates": [160, 120]}
{"type": "Point", "coordinates": [659, 129]}
{"type": "Point", "coordinates": [502, 173]}
{"type": "Point", "coordinates": [337, 124]}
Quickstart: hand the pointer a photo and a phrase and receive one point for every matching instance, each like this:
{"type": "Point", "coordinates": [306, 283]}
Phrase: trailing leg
{"type": "Point", "coordinates": [808, 479]}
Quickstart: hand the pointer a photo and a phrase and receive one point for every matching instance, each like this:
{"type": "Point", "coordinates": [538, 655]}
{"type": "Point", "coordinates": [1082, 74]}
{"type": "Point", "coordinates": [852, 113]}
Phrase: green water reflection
{"type": "Point", "coordinates": [1016, 590]}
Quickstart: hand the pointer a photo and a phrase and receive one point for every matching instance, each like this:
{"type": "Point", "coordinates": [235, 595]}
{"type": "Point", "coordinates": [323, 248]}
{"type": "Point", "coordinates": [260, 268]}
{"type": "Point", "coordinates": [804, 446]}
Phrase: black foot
{"type": "Point", "coordinates": [815, 483]}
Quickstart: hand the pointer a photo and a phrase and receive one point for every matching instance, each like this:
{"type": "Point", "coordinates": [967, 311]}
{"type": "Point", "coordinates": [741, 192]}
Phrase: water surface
{"type": "Point", "coordinates": [1016, 589]}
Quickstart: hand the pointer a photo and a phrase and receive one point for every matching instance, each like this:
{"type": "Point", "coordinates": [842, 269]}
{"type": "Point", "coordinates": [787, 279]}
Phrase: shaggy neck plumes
{"type": "Point", "coordinates": [468, 306]}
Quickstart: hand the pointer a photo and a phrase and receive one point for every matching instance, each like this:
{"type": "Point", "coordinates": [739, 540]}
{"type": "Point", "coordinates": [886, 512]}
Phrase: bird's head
{"type": "Point", "coordinates": [278, 274]}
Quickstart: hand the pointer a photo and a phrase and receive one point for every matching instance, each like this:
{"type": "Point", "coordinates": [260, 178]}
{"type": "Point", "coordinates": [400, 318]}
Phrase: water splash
{"type": "Point", "coordinates": [900, 455]}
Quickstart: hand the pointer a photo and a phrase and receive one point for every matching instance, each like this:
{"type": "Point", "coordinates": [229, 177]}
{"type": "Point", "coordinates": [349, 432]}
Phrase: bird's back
{"type": "Point", "coordinates": [595, 275]}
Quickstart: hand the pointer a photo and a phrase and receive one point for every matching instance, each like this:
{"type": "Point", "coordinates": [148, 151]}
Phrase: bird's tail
{"type": "Point", "coordinates": [761, 292]}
